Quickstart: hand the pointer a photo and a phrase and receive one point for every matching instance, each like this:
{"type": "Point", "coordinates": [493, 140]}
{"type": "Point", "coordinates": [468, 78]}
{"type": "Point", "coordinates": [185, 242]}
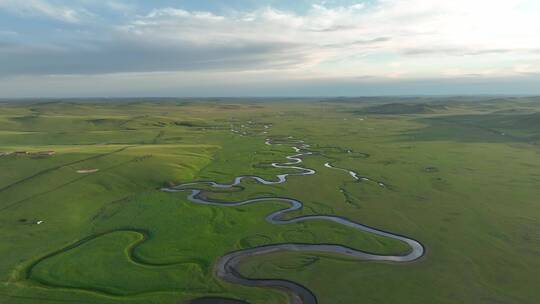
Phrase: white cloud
{"type": "Point", "coordinates": [8, 33]}
{"type": "Point", "coordinates": [120, 6]}
{"type": "Point", "coordinates": [421, 28]}
{"type": "Point", "coordinates": [391, 38]}
{"type": "Point", "coordinates": [45, 9]}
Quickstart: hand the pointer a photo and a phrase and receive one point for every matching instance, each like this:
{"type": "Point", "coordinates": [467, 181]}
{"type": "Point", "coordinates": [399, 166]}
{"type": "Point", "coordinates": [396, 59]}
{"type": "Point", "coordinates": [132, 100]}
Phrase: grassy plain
{"type": "Point", "coordinates": [463, 178]}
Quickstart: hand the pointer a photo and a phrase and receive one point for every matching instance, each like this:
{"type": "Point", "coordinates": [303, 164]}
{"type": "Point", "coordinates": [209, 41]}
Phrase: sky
{"type": "Point", "coordinates": [195, 48]}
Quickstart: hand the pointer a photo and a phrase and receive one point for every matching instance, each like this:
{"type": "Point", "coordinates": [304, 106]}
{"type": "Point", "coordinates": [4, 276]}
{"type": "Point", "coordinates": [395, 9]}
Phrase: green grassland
{"type": "Point", "coordinates": [462, 176]}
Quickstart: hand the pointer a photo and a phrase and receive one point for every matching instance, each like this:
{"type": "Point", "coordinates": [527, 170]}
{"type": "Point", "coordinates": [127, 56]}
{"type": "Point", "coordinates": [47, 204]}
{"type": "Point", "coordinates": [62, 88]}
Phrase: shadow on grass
{"type": "Point", "coordinates": [487, 128]}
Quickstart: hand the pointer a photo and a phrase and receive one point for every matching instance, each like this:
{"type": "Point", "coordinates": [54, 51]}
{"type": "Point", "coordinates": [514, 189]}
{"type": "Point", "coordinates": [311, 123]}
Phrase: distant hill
{"type": "Point", "coordinates": [401, 108]}
{"type": "Point", "coordinates": [531, 120]}
{"type": "Point", "coordinates": [514, 121]}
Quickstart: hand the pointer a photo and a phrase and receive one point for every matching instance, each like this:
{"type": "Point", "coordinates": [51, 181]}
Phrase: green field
{"type": "Point", "coordinates": [87, 223]}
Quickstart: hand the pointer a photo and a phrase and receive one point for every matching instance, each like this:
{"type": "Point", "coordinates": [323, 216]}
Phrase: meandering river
{"type": "Point", "coordinates": [227, 265]}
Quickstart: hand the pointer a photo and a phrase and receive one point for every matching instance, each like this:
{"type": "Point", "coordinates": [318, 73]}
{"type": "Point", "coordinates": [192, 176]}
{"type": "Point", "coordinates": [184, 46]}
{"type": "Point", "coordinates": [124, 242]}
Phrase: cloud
{"type": "Point", "coordinates": [365, 42]}
{"type": "Point", "coordinates": [464, 51]}
{"type": "Point", "coordinates": [8, 33]}
{"type": "Point", "coordinates": [120, 6]}
{"type": "Point", "coordinates": [427, 37]}
{"type": "Point", "coordinates": [126, 54]}
{"type": "Point", "coordinates": [354, 34]}
{"type": "Point", "coordinates": [32, 8]}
